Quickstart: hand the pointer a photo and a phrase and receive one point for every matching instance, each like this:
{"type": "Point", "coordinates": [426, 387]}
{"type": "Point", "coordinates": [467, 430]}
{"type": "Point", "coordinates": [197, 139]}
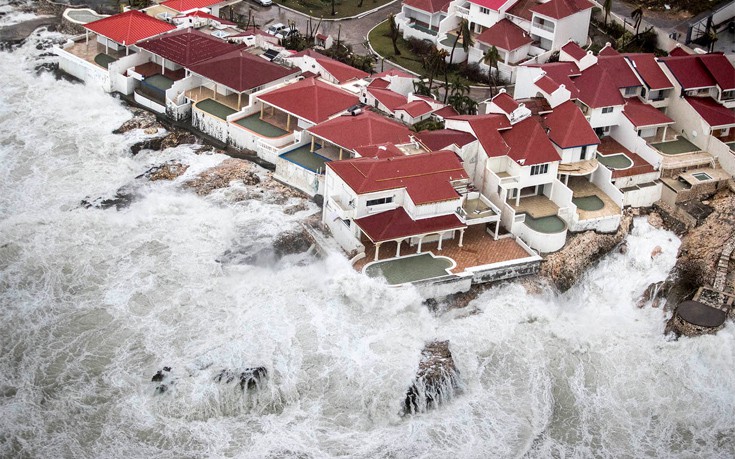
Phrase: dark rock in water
{"type": "Point", "coordinates": [290, 242]}
{"type": "Point", "coordinates": [147, 144]}
{"type": "Point", "coordinates": [264, 256]}
{"type": "Point", "coordinates": [655, 293]}
{"type": "Point", "coordinates": [158, 376]}
{"type": "Point", "coordinates": [141, 120]}
{"type": "Point", "coordinates": [122, 199]}
{"type": "Point", "coordinates": [249, 378]}
{"type": "Point", "coordinates": [318, 200]}
{"type": "Point", "coordinates": [161, 388]}
{"type": "Point", "coordinates": [437, 379]}
{"type": "Point", "coordinates": [166, 171]}
{"type": "Point", "coordinates": [166, 368]}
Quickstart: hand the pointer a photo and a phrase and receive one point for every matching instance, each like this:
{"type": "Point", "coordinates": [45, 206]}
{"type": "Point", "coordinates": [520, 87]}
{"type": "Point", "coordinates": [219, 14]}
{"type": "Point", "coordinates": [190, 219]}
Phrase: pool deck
{"type": "Point", "coordinates": [151, 68]}
{"type": "Point", "coordinates": [610, 146]}
{"type": "Point", "coordinates": [478, 249]}
{"type": "Point", "coordinates": [536, 206]}
{"type": "Point", "coordinates": [680, 146]}
{"type": "Point", "coordinates": [202, 93]}
{"type": "Point", "coordinates": [581, 187]}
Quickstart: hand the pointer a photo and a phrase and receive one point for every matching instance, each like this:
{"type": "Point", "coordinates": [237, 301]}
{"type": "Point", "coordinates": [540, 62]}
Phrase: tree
{"type": "Point", "coordinates": [491, 59]}
{"type": "Point", "coordinates": [463, 32]}
{"type": "Point", "coordinates": [435, 62]}
{"type": "Point", "coordinates": [637, 15]}
{"type": "Point", "coordinates": [333, 12]}
{"type": "Point", "coordinates": [607, 6]}
{"type": "Point", "coordinates": [711, 37]}
{"type": "Point", "coordinates": [420, 88]}
{"type": "Point", "coordinates": [395, 32]}
{"type": "Point", "coordinates": [359, 5]}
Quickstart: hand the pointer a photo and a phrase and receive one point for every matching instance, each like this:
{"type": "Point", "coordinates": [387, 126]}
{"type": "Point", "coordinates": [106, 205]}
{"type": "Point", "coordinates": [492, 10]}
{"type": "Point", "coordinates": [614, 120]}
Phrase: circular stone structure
{"type": "Point", "coordinates": [700, 314]}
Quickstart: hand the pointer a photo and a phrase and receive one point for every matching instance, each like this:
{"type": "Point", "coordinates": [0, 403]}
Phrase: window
{"type": "Point", "coordinates": [583, 154]}
{"type": "Point", "coordinates": [484, 10]}
{"type": "Point", "coordinates": [539, 169]}
{"type": "Point", "coordinates": [607, 110]}
{"type": "Point", "coordinates": [630, 91]}
{"type": "Point", "coordinates": [377, 202]}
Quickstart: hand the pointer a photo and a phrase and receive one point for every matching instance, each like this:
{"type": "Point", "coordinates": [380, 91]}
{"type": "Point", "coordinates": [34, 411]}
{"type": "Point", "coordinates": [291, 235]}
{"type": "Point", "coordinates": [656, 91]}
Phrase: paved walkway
{"type": "Point", "coordinates": [353, 31]}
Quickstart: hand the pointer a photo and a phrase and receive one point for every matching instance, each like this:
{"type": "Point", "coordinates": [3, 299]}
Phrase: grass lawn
{"type": "Point", "coordinates": [343, 8]}
{"type": "Point", "coordinates": [382, 45]}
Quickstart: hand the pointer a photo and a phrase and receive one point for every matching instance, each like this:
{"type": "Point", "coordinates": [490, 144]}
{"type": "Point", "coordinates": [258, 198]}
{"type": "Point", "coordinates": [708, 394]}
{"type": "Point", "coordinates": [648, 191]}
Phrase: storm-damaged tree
{"type": "Point", "coordinates": [463, 33]}
{"type": "Point", "coordinates": [395, 32]}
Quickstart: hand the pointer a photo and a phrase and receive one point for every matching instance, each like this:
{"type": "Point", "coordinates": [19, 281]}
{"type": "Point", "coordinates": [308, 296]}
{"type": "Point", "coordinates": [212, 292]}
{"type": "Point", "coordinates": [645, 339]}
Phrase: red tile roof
{"type": "Point", "coordinates": [491, 4]}
{"type": "Point", "coordinates": [562, 73]}
{"type": "Point", "coordinates": [689, 71]}
{"type": "Point", "coordinates": [130, 27]}
{"type": "Point", "coordinates": [678, 51]}
{"type": "Point", "coordinates": [186, 5]}
{"type": "Point", "coordinates": [394, 72]}
{"type": "Point", "coordinates": [443, 138]}
{"type": "Point", "coordinates": [426, 177]}
{"type": "Point", "coordinates": [241, 71]}
{"type": "Point", "coordinates": [574, 50]}
{"type": "Point", "coordinates": [486, 129]}
{"type": "Point", "coordinates": [713, 113]}
{"type": "Point", "coordinates": [618, 69]}
{"type": "Point", "coordinates": [392, 100]}
{"type": "Point", "coordinates": [202, 14]}
{"type": "Point", "coordinates": [721, 70]}
{"type": "Point", "coordinates": [597, 88]}
{"type": "Point", "coordinates": [416, 108]}
{"type": "Point", "coordinates": [430, 6]}
{"type": "Point", "coordinates": [505, 35]}
{"type": "Point", "coordinates": [642, 115]}
{"type": "Point", "coordinates": [383, 150]}
{"type": "Point", "coordinates": [649, 71]}
{"type": "Point", "coordinates": [547, 84]}
{"type": "Point", "coordinates": [505, 102]}
{"type": "Point", "coordinates": [397, 224]}
{"type": "Point", "coordinates": [446, 112]}
{"type": "Point", "coordinates": [529, 143]}
{"type": "Point", "coordinates": [187, 47]}
{"type": "Point", "coordinates": [379, 83]}
{"type": "Point", "coordinates": [608, 51]}
{"type": "Point", "coordinates": [558, 9]}
{"type": "Point", "coordinates": [568, 128]}
{"type": "Point", "coordinates": [340, 71]}
{"type": "Point", "coordinates": [310, 99]}
{"type": "Point", "coordinates": [366, 128]}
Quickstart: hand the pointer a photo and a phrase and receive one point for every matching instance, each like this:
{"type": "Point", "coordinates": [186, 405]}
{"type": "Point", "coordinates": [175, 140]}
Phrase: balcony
{"type": "Point", "coordinates": [343, 211]}
{"type": "Point", "coordinates": [477, 209]}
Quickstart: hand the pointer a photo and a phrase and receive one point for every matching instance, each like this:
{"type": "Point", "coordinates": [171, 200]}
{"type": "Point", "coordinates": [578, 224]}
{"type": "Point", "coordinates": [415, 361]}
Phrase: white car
{"type": "Point", "coordinates": [276, 29]}
{"type": "Point", "coordinates": [264, 2]}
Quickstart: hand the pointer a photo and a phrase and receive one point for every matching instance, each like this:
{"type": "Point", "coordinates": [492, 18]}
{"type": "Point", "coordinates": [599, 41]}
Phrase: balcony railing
{"type": "Point", "coordinates": [549, 27]}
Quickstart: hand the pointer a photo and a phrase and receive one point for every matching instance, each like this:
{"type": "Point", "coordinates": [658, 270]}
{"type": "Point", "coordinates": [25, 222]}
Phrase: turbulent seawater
{"type": "Point", "coordinates": [94, 302]}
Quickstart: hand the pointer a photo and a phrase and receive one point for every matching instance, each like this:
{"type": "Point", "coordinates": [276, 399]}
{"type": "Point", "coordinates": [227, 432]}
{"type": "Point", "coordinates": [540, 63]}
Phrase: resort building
{"type": "Point", "coordinates": [523, 31]}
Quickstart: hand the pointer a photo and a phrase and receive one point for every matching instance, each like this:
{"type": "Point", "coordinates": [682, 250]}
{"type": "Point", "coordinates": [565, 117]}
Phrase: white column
{"type": "Point", "coordinates": [421, 239]}
{"type": "Point", "coordinates": [461, 236]}
{"type": "Point", "coordinates": [377, 249]}
{"type": "Point", "coordinates": [441, 236]}
{"type": "Point", "coordinates": [518, 197]}
{"type": "Point", "coordinates": [398, 247]}
{"type": "Point", "coordinates": [664, 136]}
{"type": "Point", "coordinates": [497, 229]}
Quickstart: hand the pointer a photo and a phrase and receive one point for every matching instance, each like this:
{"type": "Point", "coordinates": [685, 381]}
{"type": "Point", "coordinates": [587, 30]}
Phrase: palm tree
{"type": "Point", "coordinates": [395, 32]}
{"type": "Point", "coordinates": [712, 37]}
{"type": "Point", "coordinates": [435, 62]}
{"type": "Point", "coordinates": [637, 15]}
{"type": "Point", "coordinates": [607, 6]}
{"type": "Point", "coordinates": [464, 33]}
{"type": "Point", "coordinates": [491, 59]}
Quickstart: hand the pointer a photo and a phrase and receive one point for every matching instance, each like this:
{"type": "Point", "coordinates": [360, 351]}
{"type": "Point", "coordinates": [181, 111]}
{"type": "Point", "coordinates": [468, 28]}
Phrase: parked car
{"type": "Point", "coordinates": [287, 32]}
{"type": "Point", "coordinates": [264, 2]}
{"type": "Point", "coordinates": [275, 29]}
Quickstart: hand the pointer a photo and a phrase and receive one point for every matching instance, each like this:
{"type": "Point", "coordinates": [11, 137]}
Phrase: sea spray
{"type": "Point", "coordinates": [94, 302]}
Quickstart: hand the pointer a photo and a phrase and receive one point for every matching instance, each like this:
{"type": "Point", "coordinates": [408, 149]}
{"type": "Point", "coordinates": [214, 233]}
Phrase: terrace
{"type": "Point", "coordinates": [537, 206]}
{"type": "Point", "coordinates": [304, 157]}
{"type": "Point", "coordinates": [622, 162]}
{"type": "Point", "coordinates": [591, 201]}
{"type": "Point", "coordinates": [478, 249]}
{"type": "Point", "coordinates": [234, 102]}
{"type": "Point", "coordinates": [95, 53]}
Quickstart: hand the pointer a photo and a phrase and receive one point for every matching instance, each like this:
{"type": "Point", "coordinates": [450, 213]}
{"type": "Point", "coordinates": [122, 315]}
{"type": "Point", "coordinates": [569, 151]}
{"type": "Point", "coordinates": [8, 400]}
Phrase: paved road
{"type": "Point", "coordinates": [353, 31]}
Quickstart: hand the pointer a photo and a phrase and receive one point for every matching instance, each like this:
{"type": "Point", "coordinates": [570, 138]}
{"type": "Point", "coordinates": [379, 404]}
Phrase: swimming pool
{"type": "Point", "coordinates": [306, 159]}
{"type": "Point", "coordinates": [549, 225]}
{"type": "Point", "coordinates": [589, 203]}
{"type": "Point", "coordinates": [616, 161]}
{"type": "Point", "coordinates": [159, 82]}
{"type": "Point", "coordinates": [410, 269]}
{"type": "Point", "coordinates": [702, 176]}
